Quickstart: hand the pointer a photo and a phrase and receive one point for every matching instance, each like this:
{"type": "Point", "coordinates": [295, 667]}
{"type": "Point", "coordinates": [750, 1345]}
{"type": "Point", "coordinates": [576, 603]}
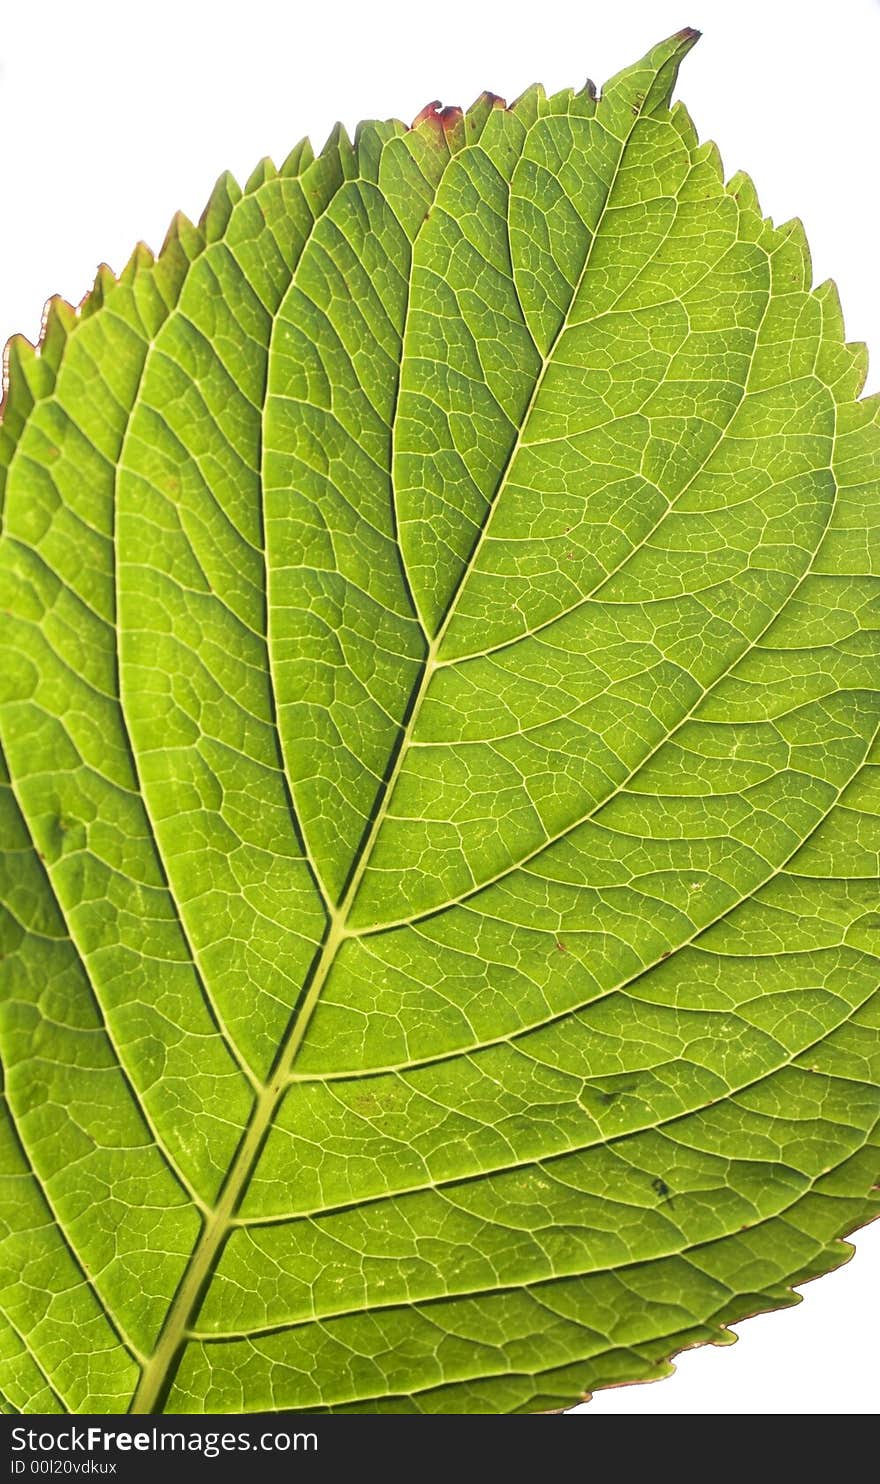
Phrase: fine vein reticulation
{"type": "Point", "coordinates": [439, 798]}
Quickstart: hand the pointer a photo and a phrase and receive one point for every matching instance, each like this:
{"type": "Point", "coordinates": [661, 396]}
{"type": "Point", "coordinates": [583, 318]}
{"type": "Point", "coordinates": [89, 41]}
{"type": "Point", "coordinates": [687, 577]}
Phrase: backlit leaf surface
{"type": "Point", "coordinates": [440, 834]}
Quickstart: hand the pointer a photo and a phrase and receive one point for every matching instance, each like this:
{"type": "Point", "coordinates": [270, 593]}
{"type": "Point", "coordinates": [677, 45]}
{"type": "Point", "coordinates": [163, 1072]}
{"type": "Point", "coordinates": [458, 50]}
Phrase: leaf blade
{"type": "Point", "coordinates": [532, 927]}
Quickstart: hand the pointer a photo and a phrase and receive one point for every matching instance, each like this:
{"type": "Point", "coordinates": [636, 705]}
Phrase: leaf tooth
{"type": "Point", "coordinates": [560, 102]}
{"type": "Point", "coordinates": [442, 124]}
{"type": "Point", "coordinates": [182, 235]}
{"type": "Point", "coordinates": [529, 104]}
{"type": "Point", "coordinates": [299, 159]}
{"type": "Point", "coordinates": [340, 144]}
{"type": "Point", "coordinates": [19, 375]}
{"type": "Point", "coordinates": [479, 111]}
{"type": "Point", "coordinates": [370, 138]}
{"type": "Point", "coordinates": [711, 155]}
{"type": "Point", "coordinates": [832, 310]}
{"type": "Point", "coordinates": [142, 257]}
{"type": "Point", "coordinates": [59, 318]}
{"type": "Point", "coordinates": [855, 352]}
{"type": "Point", "coordinates": [871, 404]}
{"type": "Point", "coordinates": [338, 139]}
{"type": "Point", "coordinates": [861, 363]}
{"type": "Point", "coordinates": [796, 238]}
{"type": "Point", "coordinates": [742, 188]}
{"type": "Point", "coordinates": [264, 171]}
{"type": "Point", "coordinates": [584, 100]}
{"type": "Point", "coordinates": [487, 99]}
{"type": "Point", "coordinates": [30, 367]}
{"type": "Point", "coordinates": [225, 195]}
{"type": "Point", "coordinates": [104, 282]}
{"type": "Point", "coordinates": [686, 127]}
{"type": "Point", "coordinates": [425, 113]}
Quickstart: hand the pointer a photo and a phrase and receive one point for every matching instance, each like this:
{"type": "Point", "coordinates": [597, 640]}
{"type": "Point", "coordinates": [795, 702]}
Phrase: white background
{"type": "Point", "coordinates": [113, 116]}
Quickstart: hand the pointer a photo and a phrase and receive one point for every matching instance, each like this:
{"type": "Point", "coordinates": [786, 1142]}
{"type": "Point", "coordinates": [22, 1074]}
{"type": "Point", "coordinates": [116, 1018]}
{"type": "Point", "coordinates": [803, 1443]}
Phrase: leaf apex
{"type": "Point", "coordinates": [648, 86]}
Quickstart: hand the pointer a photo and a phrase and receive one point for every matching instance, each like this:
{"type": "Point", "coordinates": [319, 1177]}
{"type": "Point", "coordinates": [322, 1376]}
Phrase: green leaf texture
{"type": "Point", "coordinates": [439, 828]}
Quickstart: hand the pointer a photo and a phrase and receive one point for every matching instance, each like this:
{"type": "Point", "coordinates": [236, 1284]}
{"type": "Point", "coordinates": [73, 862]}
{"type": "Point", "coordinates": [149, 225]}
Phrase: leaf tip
{"type": "Point", "coordinates": [648, 85]}
{"type": "Point", "coordinates": [677, 47]}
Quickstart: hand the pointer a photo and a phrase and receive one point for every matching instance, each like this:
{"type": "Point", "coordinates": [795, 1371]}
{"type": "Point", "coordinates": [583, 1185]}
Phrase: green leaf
{"type": "Point", "coordinates": [439, 921]}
